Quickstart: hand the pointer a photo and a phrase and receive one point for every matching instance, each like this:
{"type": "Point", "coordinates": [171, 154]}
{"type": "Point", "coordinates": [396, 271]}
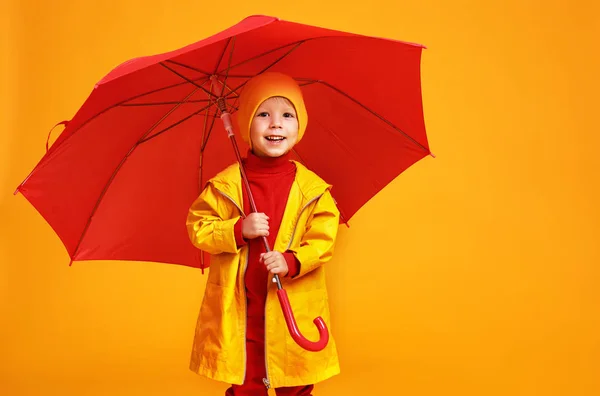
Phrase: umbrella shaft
{"type": "Point", "coordinates": [251, 199]}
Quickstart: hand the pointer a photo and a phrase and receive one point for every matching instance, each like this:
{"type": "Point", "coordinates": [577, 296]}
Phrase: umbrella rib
{"type": "Point", "coordinates": [375, 114]}
{"type": "Point", "coordinates": [205, 135]}
{"type": "Point", "coordinates": [296, 43]}
{"type": "Point", "coordinates": [235, 103]}
{"type": "Point", "coordinates": [114, 174]}
{"type": "Point", "coordinates": [231, 93]}
{"type": "Point", "coordinates": [219, 117]}
{"type": "Point", "coordinates": [185, 78]}
{"type": "Point", "coordinates": [303, 79]}
{"type": "Point", "coordinates": [124, 102]}
{"type": "Point", "coordinates": [145, 139]}
{"type": "Point", "coordinates": [188, 67]}
{"type": "Point", "coordinates": [203, 132]}
{"type": "Point", "coordinates": [272, 64]}
{"type": "Point", "coordinates": [222, 54]}
{"type": "Point", "coordinates": [162, 103]}
{"type": "Point", "coordinates": [160, 89]}
{"type": "Point", "coordinates": [228, 67]}
{"type": "Point", "coordinates": [303, 82]}
{"type": "Point", "coordinates": [204, 140]}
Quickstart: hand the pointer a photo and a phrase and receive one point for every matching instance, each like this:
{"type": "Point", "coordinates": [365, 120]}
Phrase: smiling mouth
{"type": "Point", "coordinates": [274, 138]}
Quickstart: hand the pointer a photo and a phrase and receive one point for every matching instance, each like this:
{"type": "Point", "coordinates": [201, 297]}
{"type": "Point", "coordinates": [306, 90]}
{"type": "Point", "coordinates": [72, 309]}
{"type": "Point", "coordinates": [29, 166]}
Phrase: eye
{"type": "Point", "coordinates": [288, 115]}
{"type": "Point", "coordinates": [262, 114]}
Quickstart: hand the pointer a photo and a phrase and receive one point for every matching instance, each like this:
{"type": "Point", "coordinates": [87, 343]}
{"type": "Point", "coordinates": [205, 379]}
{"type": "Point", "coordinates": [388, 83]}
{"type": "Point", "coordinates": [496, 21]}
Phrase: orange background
{"type": "Point", "coordinates": [475, 273]}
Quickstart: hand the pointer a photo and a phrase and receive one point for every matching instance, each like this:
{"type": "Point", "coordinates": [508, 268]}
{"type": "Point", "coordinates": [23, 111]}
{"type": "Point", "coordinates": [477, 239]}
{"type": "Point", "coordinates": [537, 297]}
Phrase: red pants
{"type": "Point", "coordinates": [255, 366]}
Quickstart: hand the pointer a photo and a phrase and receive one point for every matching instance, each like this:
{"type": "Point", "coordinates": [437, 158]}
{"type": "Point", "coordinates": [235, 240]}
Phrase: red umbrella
{"type": "Point", "coordinates": [118, 182]}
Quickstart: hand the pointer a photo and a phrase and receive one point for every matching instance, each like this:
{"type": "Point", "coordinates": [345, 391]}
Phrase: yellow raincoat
{"type": "Point", "coordinates": [308, 228]}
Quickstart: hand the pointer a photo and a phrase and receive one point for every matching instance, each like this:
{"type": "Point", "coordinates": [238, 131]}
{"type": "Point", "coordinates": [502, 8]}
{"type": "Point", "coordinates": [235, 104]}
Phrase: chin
{"type": "Point", "coordinates": [271, 153]}
{"type": "Point", "coordinates": [275, 155]}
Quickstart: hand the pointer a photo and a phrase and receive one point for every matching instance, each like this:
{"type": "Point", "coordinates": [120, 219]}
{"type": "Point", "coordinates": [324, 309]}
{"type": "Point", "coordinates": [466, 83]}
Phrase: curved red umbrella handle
{"type": "Point", "coordinates": [313, 346]}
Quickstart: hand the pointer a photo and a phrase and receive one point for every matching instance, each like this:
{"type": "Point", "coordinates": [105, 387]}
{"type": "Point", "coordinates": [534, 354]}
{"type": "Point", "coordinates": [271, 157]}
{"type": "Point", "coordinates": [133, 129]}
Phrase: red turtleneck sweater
{"type": "Point", "coordinates": [270, 180]}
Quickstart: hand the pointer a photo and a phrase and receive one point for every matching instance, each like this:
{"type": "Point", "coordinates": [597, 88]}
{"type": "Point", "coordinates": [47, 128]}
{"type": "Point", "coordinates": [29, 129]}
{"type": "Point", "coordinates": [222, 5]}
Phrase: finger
{"type": "Point", "coordinates": [260, 226]}
{"type": "Point", "coordinates": [267, 255]}
{"type": "Point", "coordinates": [258, 218]}
{"type": "Point", "coordinates": [260, 230]}
{"type": "Point", "coordinates": [268, 261]}
{"type": "Point", "coordinates": [274, 268]}
{"type": "Point", "coordinates": [273, 261]}
{"type": "Point", "coordinates": [274, 258]}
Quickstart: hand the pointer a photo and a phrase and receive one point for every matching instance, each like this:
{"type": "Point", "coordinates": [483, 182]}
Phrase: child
{"type": "Point", "coordinates": [241, 335]}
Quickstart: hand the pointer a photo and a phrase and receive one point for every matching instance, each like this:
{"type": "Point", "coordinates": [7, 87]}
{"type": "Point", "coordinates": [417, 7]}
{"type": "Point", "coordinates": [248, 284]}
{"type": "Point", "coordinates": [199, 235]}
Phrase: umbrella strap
{"type": "Point", "coordinates": [50, 133]}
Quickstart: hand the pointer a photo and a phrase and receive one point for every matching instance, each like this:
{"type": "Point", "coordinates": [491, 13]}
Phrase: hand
{"type": "Point", "coordinates": [275, 263]}
{"type": "Point", "coordinates": [255, 225]}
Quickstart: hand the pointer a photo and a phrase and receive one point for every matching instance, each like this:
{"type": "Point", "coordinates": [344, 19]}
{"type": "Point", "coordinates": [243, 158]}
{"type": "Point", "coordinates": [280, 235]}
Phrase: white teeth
{"type": "Point", "coordinates": [274, 138]}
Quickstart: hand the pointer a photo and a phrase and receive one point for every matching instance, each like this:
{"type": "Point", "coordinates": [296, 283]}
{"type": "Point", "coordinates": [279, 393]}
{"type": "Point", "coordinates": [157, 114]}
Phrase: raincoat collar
{"type": "Point", "coordinates": [229, 182]}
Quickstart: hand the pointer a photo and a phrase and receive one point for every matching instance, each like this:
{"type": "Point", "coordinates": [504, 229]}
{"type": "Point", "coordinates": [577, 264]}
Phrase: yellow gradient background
{"type": "Point", "coordinates": [475, 273]}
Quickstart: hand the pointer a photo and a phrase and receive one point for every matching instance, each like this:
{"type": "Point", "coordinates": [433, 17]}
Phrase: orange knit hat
{"type": "Point", "coordinates": [262, 87]}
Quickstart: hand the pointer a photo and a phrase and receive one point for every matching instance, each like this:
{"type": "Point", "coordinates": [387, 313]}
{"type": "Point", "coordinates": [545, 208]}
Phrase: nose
{"type": "Point", "coordinates": [276, 121]}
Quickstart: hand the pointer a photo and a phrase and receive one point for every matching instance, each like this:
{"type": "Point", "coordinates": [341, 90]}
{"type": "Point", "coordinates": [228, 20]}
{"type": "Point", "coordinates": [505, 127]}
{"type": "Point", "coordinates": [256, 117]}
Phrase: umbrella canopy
{"type": "Point", "coordinates": [118, 182]}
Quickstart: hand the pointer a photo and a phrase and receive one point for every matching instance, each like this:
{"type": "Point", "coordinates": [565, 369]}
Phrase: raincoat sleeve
{"type": "Point", "coordinates": [208, 225]}
{"type": "Point", "coordinates": [317, 243]}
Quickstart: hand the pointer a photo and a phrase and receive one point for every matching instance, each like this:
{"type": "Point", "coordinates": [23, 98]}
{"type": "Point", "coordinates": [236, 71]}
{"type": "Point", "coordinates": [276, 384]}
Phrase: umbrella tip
{"type": "Point", "coordinates": [433, 155]}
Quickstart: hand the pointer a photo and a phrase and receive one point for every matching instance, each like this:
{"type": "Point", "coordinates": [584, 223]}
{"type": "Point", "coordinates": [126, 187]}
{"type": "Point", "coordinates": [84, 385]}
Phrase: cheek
{"type": "Point", "coordinates": [294, 131]}
{"type": "Point", "coordinates": [255, 130]}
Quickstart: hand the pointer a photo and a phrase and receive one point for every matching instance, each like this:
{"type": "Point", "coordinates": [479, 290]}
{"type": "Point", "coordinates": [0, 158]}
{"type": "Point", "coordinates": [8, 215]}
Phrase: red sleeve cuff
{"type": "Point", "coordinates": [292, 263]}
{"type": "Point", "coordinates": [237, 230]}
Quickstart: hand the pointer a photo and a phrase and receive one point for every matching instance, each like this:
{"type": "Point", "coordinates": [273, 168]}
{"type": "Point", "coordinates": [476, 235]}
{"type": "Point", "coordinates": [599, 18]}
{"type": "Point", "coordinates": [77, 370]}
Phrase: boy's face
{"type": "Point", "coordinates": [274, 128]}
